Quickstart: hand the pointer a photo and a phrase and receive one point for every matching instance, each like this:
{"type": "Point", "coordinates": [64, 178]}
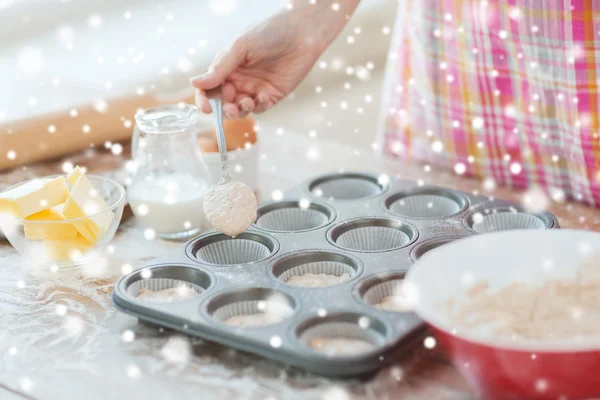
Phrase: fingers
{"type": "Point", "coordinates": [231, 111]}
{"type": "Point", "coordinates": [202, 102]}
{"type": "Point", "coordinates": [246, 105]}
{"type": "Point", "coordinates": [223, 65]}
{"type": "Point", "coordinates": [263, 103]}
{"type": "Point", "coordinates": [228, 92]}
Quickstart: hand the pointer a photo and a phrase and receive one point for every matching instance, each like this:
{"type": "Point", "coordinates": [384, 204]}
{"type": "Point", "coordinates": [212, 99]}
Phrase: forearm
{"type": "Point", "coordinates": [322, 21]}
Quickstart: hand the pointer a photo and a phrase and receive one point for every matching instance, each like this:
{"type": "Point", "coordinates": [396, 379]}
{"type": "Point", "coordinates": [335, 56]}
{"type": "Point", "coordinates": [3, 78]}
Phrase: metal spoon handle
{"type": "Point", "coordinates": [216, 103]}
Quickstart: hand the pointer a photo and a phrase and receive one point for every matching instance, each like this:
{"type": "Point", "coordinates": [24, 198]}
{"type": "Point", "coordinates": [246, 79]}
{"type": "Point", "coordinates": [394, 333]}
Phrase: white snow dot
{"type": "Point", "coordinates": [12, 350]}
{"type": "Point", "coordinates": [335, 6]}
{"type": "Point", "coordinates": [126, 269]}
{"type": "Point", "coordinates": [86, 129]}
{"type": "Point", "coordinates": [503, 34]}
{"type": "Point", "coordinates": [11, 154]}
{"type": "Point", "coordinates": [128, 336]}
{"type": "Point", "coordinates": [61, 309]}
{"type": "Point", "coordinates": [184, 65]}
{"type": "Point", "coordinates": [516, 168]}
{"type": "Point", "coordinates": [541, 385]}
{"type": "Point", "coordinates": [383, 179]}
{"type": "Point", "coordinates": [275, 341]}
{"type": "Point", "coordinates": [364, 322]}
{"type": "Point", "coordinates": [133, 371]}
{"type": "Point", "coordinates": [477, 218]}
{"type": "Point", "coordinates": [460, 168]}
{"type": "Point", "coordinates": [74, 326]}
{"type": "Point", "coordinates": [321, 312]}
{"type": "Point", "coordinates": [116, 149]}
{"type": "Point", "coordinates": [149, 234]}
{"type": "Point", "coordinates": [429, 342]}
{"type": "Point", "coordinates": [94, 21]}
{"type": "Point", "coordinates": [146, 274]}
{"type": "Point", "coordinates": [304, 203]}
{"type": "Point", "coordinates": [386, 30]}
{"type": "Point", "coordinates": [437, 146]}
{"type": "Point", "coordinates": [477, 123]}
{"type": "Point", "coordinates": [489, 184]}
{"type": "Point", "coordinates": [20, 284]}
{"type": "Point", "coordinates": [143, 209]}
{"type": "Point", "coordinates": [177, 350]}
{"type": "Point", "coordinates": [277, 195]}
{"type": "Point", "coordinates": [26, 384]}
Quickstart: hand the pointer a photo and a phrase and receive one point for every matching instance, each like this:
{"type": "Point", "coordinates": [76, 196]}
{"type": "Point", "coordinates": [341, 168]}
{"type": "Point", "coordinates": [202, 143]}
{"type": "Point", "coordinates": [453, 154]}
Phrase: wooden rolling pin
{"type": "Point", "coordinates": [50, 136]}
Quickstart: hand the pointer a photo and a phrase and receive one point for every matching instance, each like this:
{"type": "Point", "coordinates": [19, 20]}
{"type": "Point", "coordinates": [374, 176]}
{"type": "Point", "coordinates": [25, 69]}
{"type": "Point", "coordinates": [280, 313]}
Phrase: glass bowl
{"type": "Point", "coordinates": [56, 251]}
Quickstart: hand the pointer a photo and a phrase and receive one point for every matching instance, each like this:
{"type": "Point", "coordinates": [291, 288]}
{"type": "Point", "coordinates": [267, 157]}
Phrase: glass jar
{"type": "Point", "coordinates": [170, 177]}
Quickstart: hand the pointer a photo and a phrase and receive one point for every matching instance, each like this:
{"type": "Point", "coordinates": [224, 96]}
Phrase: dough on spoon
{"type": "Point", "coordinates": [230, 207]}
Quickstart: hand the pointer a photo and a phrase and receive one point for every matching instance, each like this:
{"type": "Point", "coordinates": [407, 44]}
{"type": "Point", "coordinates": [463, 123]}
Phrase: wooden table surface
{"type": "Point", "coordinates": [44, 355]}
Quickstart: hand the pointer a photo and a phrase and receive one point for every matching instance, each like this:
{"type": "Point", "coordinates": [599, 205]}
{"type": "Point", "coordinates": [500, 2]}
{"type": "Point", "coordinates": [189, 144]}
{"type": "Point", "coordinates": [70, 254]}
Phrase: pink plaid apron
{"type": "Point", "coordinates": [502, 89]}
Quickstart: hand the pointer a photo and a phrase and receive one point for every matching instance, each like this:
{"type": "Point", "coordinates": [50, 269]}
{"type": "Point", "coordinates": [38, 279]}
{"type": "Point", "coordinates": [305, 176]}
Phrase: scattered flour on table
{"type": "Point", "coordinates": [317, 280]}
{"type": "Point", "coordinates": [341, 346]}
{"type": "Point", "coordinates": [167, 295]}
{"type": "Point", "coordinates": [230, 207]}
{"type": "Point", "coordinates": [556, 309]}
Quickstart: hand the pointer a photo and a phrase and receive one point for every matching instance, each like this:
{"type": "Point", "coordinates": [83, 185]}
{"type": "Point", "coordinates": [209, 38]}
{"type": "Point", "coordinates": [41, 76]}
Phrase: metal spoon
{"type": "Point", "coordinates": [216, 103]}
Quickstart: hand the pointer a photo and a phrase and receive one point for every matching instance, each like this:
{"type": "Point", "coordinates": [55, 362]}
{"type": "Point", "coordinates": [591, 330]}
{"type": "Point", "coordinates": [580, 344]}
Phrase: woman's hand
{"type": "Point", "coordinates": [269, 60]}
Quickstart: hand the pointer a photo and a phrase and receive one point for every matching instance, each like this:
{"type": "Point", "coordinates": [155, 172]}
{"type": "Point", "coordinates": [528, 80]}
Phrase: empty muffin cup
{"type": "Point", "coordinates": [426, 203]}
{"type": "Point", "coordinates": [294, 216]}
{"type": "Point", "coordinates": [422, 248]}
{"type": "Point", "coordinates": [346, 186]}
{"type": "Point", "coordinates": [502, 219]}
{"type": "Point", "coordinates": [386, 292]}
{"type": "Point", "coordinates": [223, 250]}
{"type": "Point", "coordinates": [250, 308]}
{"type": "Point", "coordinates": [167, 283]}
{"type": "Point", "coordinates": [313, 269]}
{"type": "Point", "coordinates": [372, 234]}
{"type": "Point", "coordinates": [342, 335]}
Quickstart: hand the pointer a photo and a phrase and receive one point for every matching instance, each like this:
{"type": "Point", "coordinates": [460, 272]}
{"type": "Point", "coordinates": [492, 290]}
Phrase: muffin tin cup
{"type": "Point", "coordinates": [424, 247]}
{"type": "Point", "coordinates": [245, 279]}
{"type": "Point", "coordinates": [372, 234]}
{"type": "Point", "coordinates": [218, 249]}
{"type": "Point", "coordinates": [251, 308]}
{"type": "Point", "coordinates": [294, 216]}
{"type": "Point", "coordinates": [494, 219]}
{"type": "Point", "coordinates": [346, 186]}
{"type": "Point", "coordinates": [426, 203]}
{"type": "Point", "coordinates": [315, 262]}
{"type": "Point", "coordinates": [374, 290]}
{"type": "Point", "coordinates": [343, 335]}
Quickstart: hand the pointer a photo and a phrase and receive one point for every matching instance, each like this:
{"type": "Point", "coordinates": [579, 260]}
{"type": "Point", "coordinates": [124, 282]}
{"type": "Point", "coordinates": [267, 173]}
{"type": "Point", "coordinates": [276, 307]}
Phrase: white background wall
{"type": "Point", "coordinates": [57, 54]}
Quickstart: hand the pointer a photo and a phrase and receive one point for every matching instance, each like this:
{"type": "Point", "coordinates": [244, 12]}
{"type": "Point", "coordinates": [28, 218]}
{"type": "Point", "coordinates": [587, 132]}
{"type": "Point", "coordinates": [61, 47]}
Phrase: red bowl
{"type": "Point", "coordinates": [503, 374]}
{"type": "Point", "coordinates": [500, 367]}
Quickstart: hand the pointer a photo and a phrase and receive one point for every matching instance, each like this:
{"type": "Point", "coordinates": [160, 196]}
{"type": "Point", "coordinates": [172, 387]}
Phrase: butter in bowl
{"type": "Point", "coordinates": [61, 221]}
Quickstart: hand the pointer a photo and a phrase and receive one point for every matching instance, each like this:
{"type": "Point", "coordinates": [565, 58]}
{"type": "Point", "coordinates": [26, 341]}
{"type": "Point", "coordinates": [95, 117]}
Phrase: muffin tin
{"type": "Point", "coordinates": [366, 229]}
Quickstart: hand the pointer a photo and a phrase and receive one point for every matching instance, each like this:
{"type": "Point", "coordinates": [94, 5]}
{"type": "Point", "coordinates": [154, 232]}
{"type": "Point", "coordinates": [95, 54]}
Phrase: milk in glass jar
{"type": "Point", "coordinates": [170, 177]}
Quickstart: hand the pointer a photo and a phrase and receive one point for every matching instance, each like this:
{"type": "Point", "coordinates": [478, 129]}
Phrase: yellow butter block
{"type": "Point", "coordinates": [67, 249]}
{"type": "Point", "coordinates": [74, 175]}
{"type": "Point", "coordinates": [34, 196]}
{"type": "Point", "coordinates": [83, 201]}
{"type": "Point", "coordinates": [59, 230]}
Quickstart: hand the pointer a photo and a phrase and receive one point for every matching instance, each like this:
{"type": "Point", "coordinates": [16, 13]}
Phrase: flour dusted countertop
{"type": "Point", "coordinates": [61, 338]}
